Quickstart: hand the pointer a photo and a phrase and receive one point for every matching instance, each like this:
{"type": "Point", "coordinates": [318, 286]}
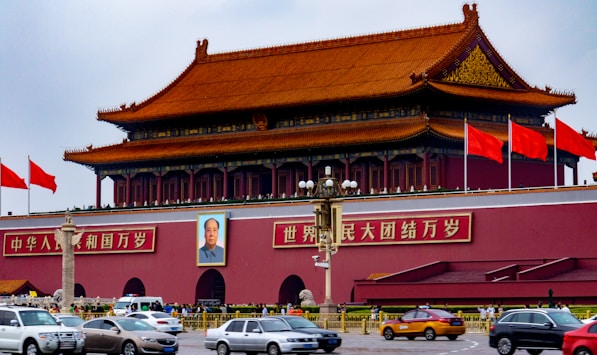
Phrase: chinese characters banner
{"type": "Point", "coordinates": [93, 241]}
{"type": "Point", "coordinates": [447, 228]}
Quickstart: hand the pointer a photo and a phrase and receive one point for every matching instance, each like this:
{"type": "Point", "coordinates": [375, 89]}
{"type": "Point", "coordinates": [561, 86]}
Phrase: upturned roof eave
{"type": "Point", "coordinates": [533, 97]}
{"type": "Point", "coordinates": [414, 88]}
{"type": "Point", "coordinates": [307, 138]}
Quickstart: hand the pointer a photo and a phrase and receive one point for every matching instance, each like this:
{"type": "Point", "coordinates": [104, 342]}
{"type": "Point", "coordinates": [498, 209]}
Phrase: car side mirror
{"type": "Point", "coordinates": [14, 323]}
{"type": "Point", "coordinates": [256, 330]}
{"type": "Point", "coordinates": [115, 329]}
{"type": "Point", "coordinates": [548, 325]}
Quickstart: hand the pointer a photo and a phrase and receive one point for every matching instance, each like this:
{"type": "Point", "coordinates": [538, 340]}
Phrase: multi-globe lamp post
{"type": "Point", "coordinates": [328, 224]}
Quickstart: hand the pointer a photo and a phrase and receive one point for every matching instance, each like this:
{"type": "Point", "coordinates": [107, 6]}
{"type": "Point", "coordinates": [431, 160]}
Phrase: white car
{"type": "Point", "coordinates": [590, 320]}
{"type": "Point", "coordinates": [32, 331]}
{"type": "Point", "coordinates": [259, 335]}
{"type": "Point", "coordinates": [159, 320]}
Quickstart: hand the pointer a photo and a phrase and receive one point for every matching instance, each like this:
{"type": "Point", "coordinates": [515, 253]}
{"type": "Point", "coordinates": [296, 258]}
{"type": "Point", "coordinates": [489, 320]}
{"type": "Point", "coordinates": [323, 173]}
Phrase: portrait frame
{"type": "Point", "coordinates": [216, 256]}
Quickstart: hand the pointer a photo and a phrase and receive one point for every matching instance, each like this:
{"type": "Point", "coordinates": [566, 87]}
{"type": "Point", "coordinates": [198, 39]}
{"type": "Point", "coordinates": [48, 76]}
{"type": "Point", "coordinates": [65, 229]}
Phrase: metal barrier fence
{"type": "Point", "coordinates": [342, 322]}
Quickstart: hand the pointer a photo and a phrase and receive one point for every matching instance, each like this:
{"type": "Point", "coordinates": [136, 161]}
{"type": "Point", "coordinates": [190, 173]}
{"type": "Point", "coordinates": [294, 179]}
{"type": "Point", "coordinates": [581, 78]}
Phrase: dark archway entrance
{"type": "Point", "coordinates": [289, 290]}
{"type": "Point", "coordinates": [134, 286]}
{"type": "Point", "coordinates": [210, 287]}
{"type": "Point", "coordinates": [80, 291]}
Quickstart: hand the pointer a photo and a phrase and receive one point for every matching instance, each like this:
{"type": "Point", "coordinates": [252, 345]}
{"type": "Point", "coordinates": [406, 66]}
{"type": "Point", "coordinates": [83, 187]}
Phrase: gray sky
{"type": "Point", "coordinates": [61, 61]}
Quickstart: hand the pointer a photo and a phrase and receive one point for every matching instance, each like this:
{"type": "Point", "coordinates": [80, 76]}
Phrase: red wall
{"type": "Point", "coordinates": [255, 270]}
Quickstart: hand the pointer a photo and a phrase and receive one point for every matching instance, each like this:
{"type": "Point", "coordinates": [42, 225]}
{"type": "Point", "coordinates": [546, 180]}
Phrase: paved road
{"type": "Point", "coordinates": [356, 344]}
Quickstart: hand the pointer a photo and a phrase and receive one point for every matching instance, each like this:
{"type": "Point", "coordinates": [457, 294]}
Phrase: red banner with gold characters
{"type": "Point", "coordinates": [420, 229]}
{"type": "Point", "coordinates": [93, 241]}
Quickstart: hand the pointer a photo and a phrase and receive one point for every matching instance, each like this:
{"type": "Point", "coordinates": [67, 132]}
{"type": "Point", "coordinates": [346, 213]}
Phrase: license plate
{"type": "Point", "coordinates": [174, 328]}
{"type": "Point", "coordinates": [169, 350]}
{"type": "Point", "coordinates": [456, 323]}
{"type": "Point", "coordinates": [332, 341]}
{"type": "Point", "coordinates": [308, 346]}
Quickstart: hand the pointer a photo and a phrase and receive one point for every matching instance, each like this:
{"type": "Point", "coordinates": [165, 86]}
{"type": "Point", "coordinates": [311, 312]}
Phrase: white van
{"type": "Point", "coordinates": [120, 307]}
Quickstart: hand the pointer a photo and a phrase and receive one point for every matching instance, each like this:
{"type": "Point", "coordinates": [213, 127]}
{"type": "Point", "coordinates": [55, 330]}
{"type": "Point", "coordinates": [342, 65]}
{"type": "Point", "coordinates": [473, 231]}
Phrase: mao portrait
{"type": "Point", "coordinates": [211, 239]}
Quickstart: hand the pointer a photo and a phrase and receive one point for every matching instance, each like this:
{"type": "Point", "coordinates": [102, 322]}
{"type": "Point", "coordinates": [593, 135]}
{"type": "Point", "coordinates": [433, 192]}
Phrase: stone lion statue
{"type": "Point", "coordinates": [306, 297]}
{"type": "Point", "coordinates": [57, 296]}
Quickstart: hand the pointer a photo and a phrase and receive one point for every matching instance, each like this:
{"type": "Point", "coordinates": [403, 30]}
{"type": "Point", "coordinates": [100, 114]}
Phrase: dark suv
{"type": "Point", "coordinates": [533, 329]}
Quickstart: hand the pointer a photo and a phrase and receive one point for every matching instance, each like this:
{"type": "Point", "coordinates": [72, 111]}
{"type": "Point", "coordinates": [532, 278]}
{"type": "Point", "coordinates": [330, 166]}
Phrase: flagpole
{"type": "Point", "coordinates": [465, 154]}
{"type": "Point", "coordinates": [29, 186]}
{"type": "Point", "coordinates": [0, 187]}
{"type": "Point", "coordinates": [555, 150]}
{"type": "Point", "coordinates": [509, 153]}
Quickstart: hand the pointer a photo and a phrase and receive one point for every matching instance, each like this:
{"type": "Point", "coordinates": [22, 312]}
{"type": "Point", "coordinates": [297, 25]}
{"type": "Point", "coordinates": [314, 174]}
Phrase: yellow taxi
{"type": "Point", "coordinates": [427, 323]}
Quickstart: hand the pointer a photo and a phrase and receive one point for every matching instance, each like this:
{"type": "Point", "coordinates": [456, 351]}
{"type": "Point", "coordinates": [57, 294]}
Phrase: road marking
{"type": "Point", "coordinates": [472, 345]}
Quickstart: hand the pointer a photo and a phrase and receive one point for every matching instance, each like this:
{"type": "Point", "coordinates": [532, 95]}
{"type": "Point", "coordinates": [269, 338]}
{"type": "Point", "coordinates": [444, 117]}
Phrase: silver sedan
{"type": "Point", "coordinates": [258, 335]}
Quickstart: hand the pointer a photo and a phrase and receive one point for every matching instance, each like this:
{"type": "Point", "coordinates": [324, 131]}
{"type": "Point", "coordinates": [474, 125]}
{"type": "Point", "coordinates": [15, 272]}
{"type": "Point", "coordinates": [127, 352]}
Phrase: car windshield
{"type": "Point", "coordinates": [441, 313]}
{"type": "Point", "coordinates": [37, 318]}
{"type": "Point", "coordinates": [274, 325]}
{"type": "Point", "coordinates": [71, 321]}
{"type": "Point", "coordinates": [565, 318]}
{"type": "Point", "coordinates": [300, 322]}
{"type": "Point", "coordinates": [121, 305]}
{"type": "Point", "coordinates": [160, 315]}
{"type": "Point", "coordinates": [131, 324]}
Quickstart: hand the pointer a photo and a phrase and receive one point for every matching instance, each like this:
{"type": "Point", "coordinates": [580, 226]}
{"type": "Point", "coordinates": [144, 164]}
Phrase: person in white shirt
{"type": "Point", "coordinates": [491, 312]}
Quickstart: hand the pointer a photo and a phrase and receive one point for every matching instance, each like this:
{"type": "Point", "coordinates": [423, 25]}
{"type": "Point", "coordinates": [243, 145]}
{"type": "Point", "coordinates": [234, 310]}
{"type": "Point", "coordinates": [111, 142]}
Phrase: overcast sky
{"type": "Point", "coordinates": [62, 61]}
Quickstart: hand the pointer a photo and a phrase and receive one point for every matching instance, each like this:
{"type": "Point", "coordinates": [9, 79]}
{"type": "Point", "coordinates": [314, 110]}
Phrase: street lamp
{"type": "Point", "coordinates": [328, 224]}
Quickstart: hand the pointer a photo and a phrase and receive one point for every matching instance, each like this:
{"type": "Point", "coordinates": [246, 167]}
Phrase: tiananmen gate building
{"type": "Point", "coordinates": [233, 135]}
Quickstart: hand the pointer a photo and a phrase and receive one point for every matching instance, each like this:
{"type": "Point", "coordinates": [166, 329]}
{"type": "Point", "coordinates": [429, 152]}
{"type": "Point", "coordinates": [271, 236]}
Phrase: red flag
{"type": "Point", "coordinates": [39, 177]}
{"type": "Point", "coordinates": [483, 144]}
{"type": "Point", "coordinates": [9, 178]}
{"type": "Point", "coordinates": [571, 141]}
{"type": "Point", "coordinates": [527, 142]}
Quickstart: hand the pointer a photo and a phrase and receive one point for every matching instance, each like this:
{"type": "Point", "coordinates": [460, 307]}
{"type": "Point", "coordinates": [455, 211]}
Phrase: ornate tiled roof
{"type": "Point", "coordinates": [455, 60]}
{"type": "Point", "coordinates": [372, 66]}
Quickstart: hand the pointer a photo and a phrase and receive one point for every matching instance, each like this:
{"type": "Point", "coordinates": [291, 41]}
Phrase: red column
{"type": "Point", "coordinates": [426, 171]}
{"type": "Point", "coordinates": [310, 171]}
{"type": "Point", "coordinates": [159, 196]}
{"type": "Point", "coordinates": [386, 173]}
{"type": "Point", "coordinates": [192, 185]}
{"type": "Point", "coordinates": [225, 183]}
{"type": "Point", "coordinates": [274, 181]}
{"type": "Point", "coordinates": [98, 191]}
{"type": "Point", "coordinates": [346, 170]}
{"type": "Point", "coordinates": [127, 192]}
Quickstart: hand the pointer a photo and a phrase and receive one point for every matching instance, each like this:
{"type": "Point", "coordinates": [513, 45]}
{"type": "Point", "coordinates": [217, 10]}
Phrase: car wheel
{"type": "Point", "coordinates": [273, 349]}
{"type": "Point", "coordinates": [452, 337]}
{"type": "Point", "coordinates": [222, 349]}
{"type": "Point", "coordinates": [429, 334]}
{"type": "Point", "coordinates": [582, 351]}
{"type": "Point", "coordinates": [505, 346]}
{"type": "Point", "coordinates": [31, 348]}
{"type": "Point", "coordinates": [388, 334]}
{"type": "Point", "coordinates": [534, 351]}
{"type": "Point", "coordinates": [128, 348]}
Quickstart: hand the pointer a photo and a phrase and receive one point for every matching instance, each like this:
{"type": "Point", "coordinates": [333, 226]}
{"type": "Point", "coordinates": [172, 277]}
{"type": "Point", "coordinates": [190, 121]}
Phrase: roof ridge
{"type": "Point", "coordinates": [336, 42]}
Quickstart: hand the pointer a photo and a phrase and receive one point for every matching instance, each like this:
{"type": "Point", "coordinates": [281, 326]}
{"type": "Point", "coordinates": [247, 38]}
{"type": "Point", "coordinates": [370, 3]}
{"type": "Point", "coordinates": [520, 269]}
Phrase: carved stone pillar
{"type": "Point", "coordinates": [67, 239]}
